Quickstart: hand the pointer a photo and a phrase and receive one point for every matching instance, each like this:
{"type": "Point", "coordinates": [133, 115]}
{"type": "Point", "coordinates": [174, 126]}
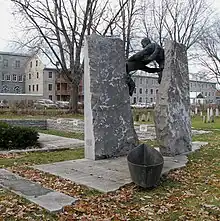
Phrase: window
{"type": "Point", "coordinates": [14, 77]}
{"type": "Point", "coordinates": [50, 74]}
{"type": "Point", "coordinates": [135, 100]}
{"type": "Point", "coordinates": [37, 75]}
{"type": "Point", "coordinates": [36, 63]}
{"type": "Point", "coordinates": [156, 91]}
{"type": "Point", "coordinates": [29, 76]}
{"type": "Point", "coordinates": [205, 93]}
{"type": "Point", "coordinates": [50, 87]}
{"type": "Point", "coordinates": [31, 64]}
{"type": "Point", "coordinates": [140, 80]}
{"type": "Point", "coordinates": [65, 86]}
{"type": "Point", "coordinates": [58, 87]}
{"type": "Point", "coordinates": [20, 78]}
{"type": "Point", "coordinates": [146, 91]}
{"type": "Point", "coordinates": [209, 94]}
{"type": "Point", "coordinates": [140, 100]}
{"type": "Point", "coordinates": [146, 81]}
{"type": "Point", "coordinates": [135, 91]}
{"type": "Point", "coordinates": [37, 87]}
{"type": "Point", "coordinates": [33, 87]}
{"type": "Point", "coordinates": [29, 87]}
{"type": "Point", "coordinates": [7, 77]}
{"type": "Point", "coordinates": [50, 97]}
{"type": "Point", "coordinates": [5, 62]}
{"type": "Point", "coordinates": [151, 91]}
{"type": "Point", "coordinates": [151, 99]}
{"type": "Point", "coordinates": [17, 89]}
{"type": "Point", "coordinates": [140, 90]}
{"type": "Point", "coordinates": [5, 89]}
{"type": "Point", "coordinates": [17, 64]}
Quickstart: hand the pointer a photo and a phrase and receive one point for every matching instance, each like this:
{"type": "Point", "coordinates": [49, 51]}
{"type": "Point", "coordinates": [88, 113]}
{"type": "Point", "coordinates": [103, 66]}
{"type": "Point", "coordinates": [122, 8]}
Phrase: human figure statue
{"type": "Point", "coordinates": [150, 52]}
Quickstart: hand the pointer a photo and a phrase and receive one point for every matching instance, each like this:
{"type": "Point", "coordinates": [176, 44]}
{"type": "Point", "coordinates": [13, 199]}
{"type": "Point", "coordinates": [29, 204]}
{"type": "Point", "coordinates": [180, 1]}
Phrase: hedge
{"type": "Point", "coordinates": [14, 137]}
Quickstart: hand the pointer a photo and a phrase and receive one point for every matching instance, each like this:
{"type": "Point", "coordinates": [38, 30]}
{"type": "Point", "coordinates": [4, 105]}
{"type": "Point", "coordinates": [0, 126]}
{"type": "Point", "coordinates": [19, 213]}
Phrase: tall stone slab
{"type": "Point", "coordinates": [109, 129]}
{"type": "Point", "coordinates": [172, 110]}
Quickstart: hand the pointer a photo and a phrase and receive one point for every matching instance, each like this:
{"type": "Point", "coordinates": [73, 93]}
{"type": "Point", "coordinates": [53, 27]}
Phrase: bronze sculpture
{"type": "Point", "coordinates": [150, 52]}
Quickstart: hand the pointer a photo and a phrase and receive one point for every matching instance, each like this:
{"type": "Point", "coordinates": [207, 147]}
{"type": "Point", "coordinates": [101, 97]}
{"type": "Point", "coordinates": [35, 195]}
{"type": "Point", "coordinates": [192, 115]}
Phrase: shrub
{"type": "Point", "coordinates": [13, 137]}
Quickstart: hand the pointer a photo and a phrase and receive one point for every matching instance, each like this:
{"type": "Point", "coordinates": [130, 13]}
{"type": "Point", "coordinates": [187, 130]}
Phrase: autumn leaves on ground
{"type": "Point", "coordinates": [190, 193]}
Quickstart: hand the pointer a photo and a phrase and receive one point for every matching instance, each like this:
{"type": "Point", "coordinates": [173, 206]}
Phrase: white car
{"type": "Point", "coordinates": [45, 104]}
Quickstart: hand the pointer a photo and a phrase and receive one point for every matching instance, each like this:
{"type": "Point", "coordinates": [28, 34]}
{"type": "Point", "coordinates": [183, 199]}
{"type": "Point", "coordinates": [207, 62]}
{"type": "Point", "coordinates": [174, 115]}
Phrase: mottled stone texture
{"type": "Point", "coordinates": [109, 130]}
{"type": "Point", "coordinates": [172, 111]}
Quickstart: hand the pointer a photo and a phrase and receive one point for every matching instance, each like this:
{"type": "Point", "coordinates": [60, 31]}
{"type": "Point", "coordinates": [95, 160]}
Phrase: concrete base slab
{"type": "Point", "coordinates": [52, 201]}
{"type": "Point", "coordinates": [106, 175]}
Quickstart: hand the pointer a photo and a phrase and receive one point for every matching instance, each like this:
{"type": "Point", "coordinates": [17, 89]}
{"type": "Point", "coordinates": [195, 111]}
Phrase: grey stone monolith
{"type": "Point", "coordinates": [109, 128]}
{"type": "Point", "coordinates": [172, 111]}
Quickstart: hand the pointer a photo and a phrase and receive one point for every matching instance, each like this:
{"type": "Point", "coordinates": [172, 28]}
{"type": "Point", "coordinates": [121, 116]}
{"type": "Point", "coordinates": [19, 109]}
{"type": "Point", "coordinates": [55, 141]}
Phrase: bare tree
{"type": "Point", "coordinates": [58, 29]}
{"type": "Point", "coordinates": [210, 50]}
{"type": "Point", "coordinates": [177, 20]}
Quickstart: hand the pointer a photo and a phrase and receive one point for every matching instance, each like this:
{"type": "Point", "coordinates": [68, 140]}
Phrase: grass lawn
{"type": "Point", "coordinates": [75, 135]}
{"type": "Point", "coordinates": [190, 193]}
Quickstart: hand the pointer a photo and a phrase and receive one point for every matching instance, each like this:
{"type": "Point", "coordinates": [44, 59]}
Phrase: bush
{"type": "Point", "coordinates": [13, 137]}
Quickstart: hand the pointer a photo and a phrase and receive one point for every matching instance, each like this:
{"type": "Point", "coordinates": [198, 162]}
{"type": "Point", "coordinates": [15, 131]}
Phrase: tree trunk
{"type": "Point", "coordinates": [74, 98]}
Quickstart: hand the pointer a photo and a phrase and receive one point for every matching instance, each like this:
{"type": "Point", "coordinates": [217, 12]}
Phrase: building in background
{"type": "Point", "coordinates": [12, 72]}
{"type": "Point", "coordinates": [147, 88]}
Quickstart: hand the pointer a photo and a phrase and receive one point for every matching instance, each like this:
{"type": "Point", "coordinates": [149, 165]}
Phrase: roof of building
{"type": "Point", "coordinates": [14, 54]}
{"type": "Point", "coordinates": [196, 95]}
{"type": "Point", "coordinates": [48, 62]}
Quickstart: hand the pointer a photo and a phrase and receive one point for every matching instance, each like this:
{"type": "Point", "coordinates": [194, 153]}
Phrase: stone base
{"type": "Point", "coordinates": [109, 174]}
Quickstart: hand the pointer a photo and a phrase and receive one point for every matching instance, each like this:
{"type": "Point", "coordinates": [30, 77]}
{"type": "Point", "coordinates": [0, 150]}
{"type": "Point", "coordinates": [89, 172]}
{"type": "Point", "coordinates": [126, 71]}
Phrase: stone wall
{"type": "Point", "coordinates": [41, 124]}
{"type": "Point", "coordinates": [65, 124]}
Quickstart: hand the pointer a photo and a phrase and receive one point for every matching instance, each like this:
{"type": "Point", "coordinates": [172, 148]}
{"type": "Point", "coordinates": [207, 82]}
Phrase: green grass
{"type": "Point", "coordinates": [197, 123]}
{"type": "Point", "coordinates": [75, 135]}
{"type": "Point", "coordinates": [32, 158]}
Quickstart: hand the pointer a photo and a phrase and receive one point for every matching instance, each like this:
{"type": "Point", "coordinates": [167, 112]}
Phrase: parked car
{"type": "Point", "coordinates": [45, 104]}
{"type": "Point", "coordinates": [4, 104]}
{"type": "Point", "coordinates": [63, 104]}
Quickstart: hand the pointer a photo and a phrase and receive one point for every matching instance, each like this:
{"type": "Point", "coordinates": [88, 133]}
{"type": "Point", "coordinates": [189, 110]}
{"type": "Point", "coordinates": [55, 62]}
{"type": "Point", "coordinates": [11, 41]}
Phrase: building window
{"type": "Point", "coordinates": [209, 94]}
{"type": "Point", "coordinates": [5, 63]}
{"type": "Point", "coordinates": [146, 91]}
{"type": "Point", "coordinates": [17, 89]}
{"type": "Point", "coordinates": [157, 91]}
{"type": "Point", "coordinates": [140, 80]}
{"type": "Point", "coordinates": [29, 87]}
{"type": "Point", "coordinates": [50, 97]}
{"type": "Point", "coordinates": [205, 93]}
{"type": "Point", "coordinates": [33, 87]}
{"type": "Point", "coordinates": [135, 100]}
{"type": "Point", "coordinates": [151, 91]}
{"type": "Point", "coordinates": [17, 64]}
{"type": "Point", "coordinates": [29, 76]}
{"type": "Point", "coordinates": [58, 87]}
{"type": "Point", "coordinates": [135, 91]}
{"type": "Point", "coordinates": [146, 81]}
{"type": "Point", "coordinates": [20, 78]}
{"type": "Point", "coordinates": [37, 87]}
{"type": "Point", "coordinates": [5, 89]}
{"type": "Point", "coordinates": [36, 63]}
{"type": "Point", "coordinates": [37, 75]}
{"type": "Point", "coordinates": [50, 74]}
{"type": "Point", "coordinates": [140, 90]}
{"type": "Point", "coordinates": [31, 64]}
{"type": "Point", "coordinates": [151, 99]}
{"type": "Point", "coordinates": [140, 100]}
{"type": "Point", "coordinates": [14, 77]}
{"type": "Point", "coordinates": [7, 77]}
{"type": "Point", "coordinates": [50, 87]}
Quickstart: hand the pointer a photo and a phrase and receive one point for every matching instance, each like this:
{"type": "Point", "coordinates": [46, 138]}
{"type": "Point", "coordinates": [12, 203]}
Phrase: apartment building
{"type": "Point", "coordinates": [40, 77]}
{"type": "Point", "coordinates": [147, 88]}
{"type": "Point", "coordinates": [12, 72]}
